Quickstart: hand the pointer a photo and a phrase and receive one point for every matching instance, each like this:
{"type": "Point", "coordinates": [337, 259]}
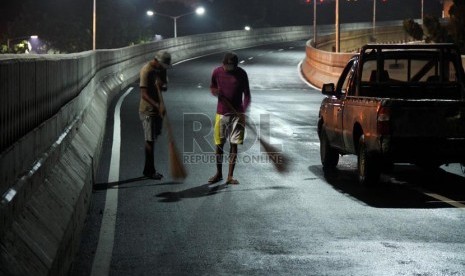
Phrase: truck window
{"type": "Point", "coordinates": [345, 80]}
{"type": "Point", "coordinates": [368, 67]}
{"type": "Point", "coordinates": [419, 70]}
{"type": "Point", "coordinates": [410, 75]}
{"type": "Point", "coordinates": [348, 81]}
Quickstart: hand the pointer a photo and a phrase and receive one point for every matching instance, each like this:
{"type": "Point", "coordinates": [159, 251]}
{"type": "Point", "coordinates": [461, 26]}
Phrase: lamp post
{"type": "Point", "coordinates": [8, 41]}
{"type": "Point", "coordinates": [422, 11]}
{"type": "Point", "coordinates": [338, 32]}
{"type": "Point", "coordinates": [199, 11]}
{"type": "Point", "coordinates": [374, 17]}
{"type": "Point", "coordinates": [314, 23]}
{"type": "Point", "coordinates": [94, 24]}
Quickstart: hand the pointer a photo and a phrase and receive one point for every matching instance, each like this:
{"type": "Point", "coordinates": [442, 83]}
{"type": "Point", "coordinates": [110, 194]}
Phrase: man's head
{"type": "Point", "coordinates": [230, 61]}
{"type": "Point", "coordinates": [163, 58]}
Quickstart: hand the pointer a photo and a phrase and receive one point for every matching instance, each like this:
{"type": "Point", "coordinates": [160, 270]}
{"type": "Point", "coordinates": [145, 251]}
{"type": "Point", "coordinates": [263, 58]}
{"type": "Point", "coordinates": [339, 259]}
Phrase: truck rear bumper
{"type": "Point", "coordinates": [421, 149]}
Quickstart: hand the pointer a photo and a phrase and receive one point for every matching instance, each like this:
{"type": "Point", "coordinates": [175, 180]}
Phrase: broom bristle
{"type": "Point", "coordinates": [279, 160]}
{"type": "Point", "coordinates": [176, 166]}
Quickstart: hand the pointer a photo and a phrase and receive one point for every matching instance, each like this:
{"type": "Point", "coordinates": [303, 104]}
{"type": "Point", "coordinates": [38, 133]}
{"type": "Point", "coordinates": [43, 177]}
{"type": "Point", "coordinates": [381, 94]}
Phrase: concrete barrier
{"type": "Point", "coordinates": [322, 65]}
{"type": "Point", "coordinates": [53, 112]}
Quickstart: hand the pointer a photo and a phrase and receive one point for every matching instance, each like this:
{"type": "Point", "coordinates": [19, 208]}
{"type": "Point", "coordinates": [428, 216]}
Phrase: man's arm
{"type": "Point", "coordinates": [143, 84]}
{"type": "Point", "coordinates": [214, 85]}
{"type": "Point", "coordinates": [145, 95]}
{"type": "Point", "coordinates": [162, 80]}
{"type": "Point", "coordinates": [215, 91]}
{"type": "Point", "coordinates": [247, 96]}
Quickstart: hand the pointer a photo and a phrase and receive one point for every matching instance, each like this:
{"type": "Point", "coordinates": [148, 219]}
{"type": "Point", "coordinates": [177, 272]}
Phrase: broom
{"type": "Point", "coordinates": [280, 161]}
{"type": "Point", "coordinates": [177, 169]}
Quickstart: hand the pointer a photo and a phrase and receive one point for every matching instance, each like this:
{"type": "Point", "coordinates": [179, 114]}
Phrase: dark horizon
{"type": "Point", "coordinates": [219, 16]}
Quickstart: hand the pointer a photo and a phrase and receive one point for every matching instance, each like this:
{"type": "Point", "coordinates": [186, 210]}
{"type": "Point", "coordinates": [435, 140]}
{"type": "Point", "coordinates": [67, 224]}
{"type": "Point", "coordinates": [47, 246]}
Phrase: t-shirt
{"type": "Point", "coordinates": [148, 78]}
{"type": "Point", "coordinates": [233, 86]}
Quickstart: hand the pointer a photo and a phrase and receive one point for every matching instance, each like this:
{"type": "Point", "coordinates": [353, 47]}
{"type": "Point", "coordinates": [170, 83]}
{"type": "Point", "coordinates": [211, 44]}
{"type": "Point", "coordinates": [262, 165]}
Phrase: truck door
{"type": "Point", "coordinates": [344, 87]}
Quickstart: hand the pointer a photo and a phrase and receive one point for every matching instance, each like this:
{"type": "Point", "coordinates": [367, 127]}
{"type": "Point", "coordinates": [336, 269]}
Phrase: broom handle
{"type": "Point", "coordinates": [268, 148]}
{"type": "Point", "coordinates": [230, 106]}
{"type": "Point", "coordinates": [164, 116]}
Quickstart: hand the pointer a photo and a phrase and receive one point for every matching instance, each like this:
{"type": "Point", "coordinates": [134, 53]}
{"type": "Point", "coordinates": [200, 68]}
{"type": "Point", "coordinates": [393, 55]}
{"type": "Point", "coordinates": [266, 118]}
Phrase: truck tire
{"type": "Point", "coordinates": [329, 155]}
{"type": "Point", "coordinates": [369, 167]}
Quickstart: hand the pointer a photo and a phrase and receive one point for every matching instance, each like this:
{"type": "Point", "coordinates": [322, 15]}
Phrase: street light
{"type": "Point", "coordinates": [422, 12]}
{"type": "Point", "coordinates": [8, 41]}
{"type": "Point", "coordinates": [94, 24]}
{"type": "Point", "coordinates": [338, 32]}
{"type": "Point", "coordinates": [199, 11]}
{"type": "Point", "coordinates": [374, 17]}
{"type": "Point", "coordinates": [314, 23]}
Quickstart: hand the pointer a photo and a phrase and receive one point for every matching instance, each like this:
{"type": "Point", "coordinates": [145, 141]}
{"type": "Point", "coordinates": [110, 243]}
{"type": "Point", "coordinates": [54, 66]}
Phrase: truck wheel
{"type": "Point", "coordinates": [329, 156]}
{"type": "Point", "coordinates": [369, 168]}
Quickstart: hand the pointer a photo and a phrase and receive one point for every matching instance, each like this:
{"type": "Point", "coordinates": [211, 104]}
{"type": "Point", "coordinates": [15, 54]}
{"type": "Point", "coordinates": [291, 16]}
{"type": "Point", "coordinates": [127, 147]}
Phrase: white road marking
{"type": "Point", "coordinates": [444, 199]}
{"type": "Point", "coordinates": [102, 259]}
{"type": "Point", "coordinates": [299, 72]}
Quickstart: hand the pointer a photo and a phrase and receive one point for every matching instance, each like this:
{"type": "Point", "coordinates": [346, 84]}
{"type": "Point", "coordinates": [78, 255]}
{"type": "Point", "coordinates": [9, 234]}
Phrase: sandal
{"type": "Point", "coordinates": [214, 179]}
{"type": "Point", "coordinates": [155, 175]}
{"type": "Point", "coordinates": [232, 181]}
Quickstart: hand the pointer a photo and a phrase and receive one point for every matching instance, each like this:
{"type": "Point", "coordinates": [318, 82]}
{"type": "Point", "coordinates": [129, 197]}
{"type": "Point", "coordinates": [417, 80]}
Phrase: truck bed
{"type": "Point", "coordinates": [432, 129]}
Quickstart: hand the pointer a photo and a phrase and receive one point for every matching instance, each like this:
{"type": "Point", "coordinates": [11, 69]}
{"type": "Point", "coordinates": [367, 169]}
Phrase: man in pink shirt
{"type": "Point", "coordinates": [230, 84]}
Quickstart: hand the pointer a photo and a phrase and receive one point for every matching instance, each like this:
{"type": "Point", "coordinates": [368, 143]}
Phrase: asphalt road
{"type": "Point", "coordinates": [300, 223]}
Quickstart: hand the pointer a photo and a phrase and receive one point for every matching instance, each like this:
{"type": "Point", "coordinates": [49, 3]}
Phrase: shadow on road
{"type": "Point", "coordinates": [120, 184]}
{"type": "Point", "coordinates": [406, 186]}
{"type": "Point", "coordinates": [199, 191]}
{"type": "Point", "coordinates": [208, 190]}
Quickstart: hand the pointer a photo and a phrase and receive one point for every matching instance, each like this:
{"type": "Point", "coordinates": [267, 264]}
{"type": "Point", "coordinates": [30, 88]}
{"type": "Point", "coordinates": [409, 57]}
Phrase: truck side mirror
{"type": "Point", "coordinates": [328, 89]}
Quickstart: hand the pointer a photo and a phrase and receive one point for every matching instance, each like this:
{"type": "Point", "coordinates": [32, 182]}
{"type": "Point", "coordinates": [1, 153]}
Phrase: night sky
{"type": "Point", "coordinates": [351, 11]}
{"type": "Point", "coordinates": [257, 13]}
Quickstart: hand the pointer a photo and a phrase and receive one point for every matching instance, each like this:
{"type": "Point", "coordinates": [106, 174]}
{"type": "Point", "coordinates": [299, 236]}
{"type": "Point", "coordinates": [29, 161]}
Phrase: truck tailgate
{"type": "Point", "coordinates": [427, 118]}
{"type": "Point", "coordinates": [426, 131]}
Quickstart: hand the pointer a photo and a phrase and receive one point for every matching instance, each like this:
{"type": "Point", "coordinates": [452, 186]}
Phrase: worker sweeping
{"type": "Point", "coordinates": [150, 108]}
{"type": "Point", "coordinates": [230, 84]}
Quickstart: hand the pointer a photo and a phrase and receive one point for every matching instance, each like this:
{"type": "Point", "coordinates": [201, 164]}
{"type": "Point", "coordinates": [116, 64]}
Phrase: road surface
{"type": "Point", "coordinates": [300, 223]}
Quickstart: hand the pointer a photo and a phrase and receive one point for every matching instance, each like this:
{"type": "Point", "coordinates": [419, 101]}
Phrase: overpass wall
{"type": "Point", "coordinates": [53, 112]}
{"type": "Point", "coordinates": [323, 65]}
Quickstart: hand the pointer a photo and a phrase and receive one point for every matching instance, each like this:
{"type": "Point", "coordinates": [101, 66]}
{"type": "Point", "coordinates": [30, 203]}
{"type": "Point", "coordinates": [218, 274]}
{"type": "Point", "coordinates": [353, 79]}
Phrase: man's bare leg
{"type": "Point", "coordinates": [232, 164]}
{"type": "Point", "coordinates": [219, 165]}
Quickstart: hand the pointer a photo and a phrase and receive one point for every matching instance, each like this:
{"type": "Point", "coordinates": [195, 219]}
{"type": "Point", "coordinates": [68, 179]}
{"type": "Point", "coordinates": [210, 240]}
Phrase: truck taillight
{"type": "Point", "coordinates": [384, 115]}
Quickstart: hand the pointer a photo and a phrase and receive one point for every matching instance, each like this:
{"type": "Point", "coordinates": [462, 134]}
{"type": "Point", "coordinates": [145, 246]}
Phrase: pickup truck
{"type": "Point", "coordinates": [395, 103]}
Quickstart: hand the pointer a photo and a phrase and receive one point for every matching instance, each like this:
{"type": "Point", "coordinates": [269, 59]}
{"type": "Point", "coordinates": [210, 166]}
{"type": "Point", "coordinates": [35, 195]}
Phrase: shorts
{"type": "Point", "coordinates": [231, 127]}
{"type": "Point", "coordinates": [152, 126]}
